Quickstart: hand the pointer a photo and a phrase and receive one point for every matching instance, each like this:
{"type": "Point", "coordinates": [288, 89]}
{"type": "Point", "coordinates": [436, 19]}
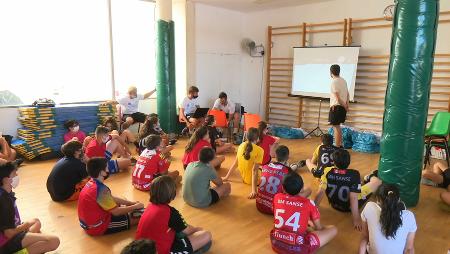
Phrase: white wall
{"type": "Point", "coordinates": [9, 122]}
{"type": "Point", "coordinates": [216, 61]}
{"type": "Point", "coordinates": [219, 60]}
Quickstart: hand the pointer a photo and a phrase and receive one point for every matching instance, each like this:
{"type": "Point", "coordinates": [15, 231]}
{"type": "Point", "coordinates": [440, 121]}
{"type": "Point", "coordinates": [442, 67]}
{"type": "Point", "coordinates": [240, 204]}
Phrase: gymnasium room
{"type": "Point", "coordinates": [224, 126]}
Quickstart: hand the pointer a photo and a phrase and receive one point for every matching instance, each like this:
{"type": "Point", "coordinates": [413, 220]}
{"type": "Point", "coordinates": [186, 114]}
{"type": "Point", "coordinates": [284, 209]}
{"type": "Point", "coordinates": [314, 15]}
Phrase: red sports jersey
{"type": "Point", "coordinates": [271, 178]}
{"type": "Point", "coordinates": [95, 149]}
{"type": "Point", "coordinates": [154, 224]}
{"type": "Point", "coordinates": [94, 206]}
{"type": "Point", "coordinates": [151, 164]}
{"type": "Point", "coordinates": [265, 144]}
{"type": "Point", "coordinates": [193, 154]}
{"type": "Point", "coordinates": [292, 214]}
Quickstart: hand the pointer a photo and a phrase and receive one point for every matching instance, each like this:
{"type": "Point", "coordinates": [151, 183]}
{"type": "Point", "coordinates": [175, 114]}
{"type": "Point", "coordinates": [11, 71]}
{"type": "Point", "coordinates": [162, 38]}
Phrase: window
{"type": "Point", "coordinates": [133, 25]}
{"type": "Point", "coordinates": [60, 49]}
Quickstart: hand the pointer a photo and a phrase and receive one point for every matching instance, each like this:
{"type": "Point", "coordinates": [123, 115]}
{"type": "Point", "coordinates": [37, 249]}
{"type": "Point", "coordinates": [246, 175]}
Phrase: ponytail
{"type": "Point", "coordinates": [252, 136]}
{"type": "Point", "coordinates": [391, 209]}
{"type": "Point", "coordinates": [261, 127]}
{"type": "Point", "coordinates": [197, 136]}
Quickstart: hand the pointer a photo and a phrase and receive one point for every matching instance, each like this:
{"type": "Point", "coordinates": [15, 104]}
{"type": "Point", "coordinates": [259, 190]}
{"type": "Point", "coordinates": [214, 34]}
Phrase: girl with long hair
{"type": "Point", "coordinates": [151, 126]}
{"type": "Point", "coordinates": [267, 142]}
{"type": "Point", "coordinates": [388, 227]}
{"type": "Point", "coordinates": [198, 140]}
{"type": "Point", "coordinates": [217, 144]}
{"type": "Point", "coordinates": [248, 159]}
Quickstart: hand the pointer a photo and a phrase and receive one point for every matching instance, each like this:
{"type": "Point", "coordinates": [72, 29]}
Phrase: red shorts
{"type": "Point", "coordinates": [289, 243]}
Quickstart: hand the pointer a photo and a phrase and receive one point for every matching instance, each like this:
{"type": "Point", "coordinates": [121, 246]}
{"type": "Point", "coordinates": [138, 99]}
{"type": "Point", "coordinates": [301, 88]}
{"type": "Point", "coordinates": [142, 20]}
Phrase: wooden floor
{"type": "Point", "coordinates": [236, 225]}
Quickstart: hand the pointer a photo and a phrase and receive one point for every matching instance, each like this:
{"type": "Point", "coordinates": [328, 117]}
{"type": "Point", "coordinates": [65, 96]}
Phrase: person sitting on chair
{"type": "Point", "coordinates": [227, 106]}
{"type": "Point", "coordinates": [129, 103]}
{"type": "Point", "coordinates": [187, 109]}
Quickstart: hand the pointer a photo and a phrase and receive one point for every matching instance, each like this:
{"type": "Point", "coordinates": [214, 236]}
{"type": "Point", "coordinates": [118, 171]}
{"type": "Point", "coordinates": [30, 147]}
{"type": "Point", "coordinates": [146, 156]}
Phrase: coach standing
{"type": "Point", "coordinates": [338, 103]}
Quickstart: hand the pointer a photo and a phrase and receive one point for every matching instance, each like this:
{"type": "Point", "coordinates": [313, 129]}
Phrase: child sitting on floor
{"type": "Point", "coordinates": [69, 175]}
{"type": "Point", "coordinates": [292, 214]}
{"type": "Point", "coordinates": [140, 247]}
{"type": "Point", "coordinates": [268, 143]}
{"type": "Point", "coordinates": [322, 156]}
{"type": "Point", "coordinates": [199, 139]}
{"type": "Point", "coordinates": [271, 178]}
{"type": "Point", "coordinates": [151, 164]}
{"type": "Point", "coordinates": [215, 137]}
{"type": "Point", "coordinates": [104, 145]}
{"type": "Point", "coordinates": [151, 126]}
{"type": "Point", "coordinates": [15, 235]}
{"type": "Point", "coordinates": [439, 177]}
{"type": "Point", "coordinates": [73, 131]}
{"type": "Point", "coordinates": [388, 227]}
{"type": "Point", "coordinates": [125, 135]}
{"type": "Point", "coordinates": [198, 176]}
{"type": "Point", "coordinates": [164, 224]}
{"type": "Point", "coordinates": [248, 159]}
{"type": "Point", "coordinates": [343, 187]}
{"type": "Point", "coordinates": [99, 211]}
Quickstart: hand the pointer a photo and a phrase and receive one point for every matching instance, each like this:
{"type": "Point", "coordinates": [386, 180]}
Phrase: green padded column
{"type": "Point", "coordinates": [165, 76]}
{"type": "Point", "coordinates": [408, 94]}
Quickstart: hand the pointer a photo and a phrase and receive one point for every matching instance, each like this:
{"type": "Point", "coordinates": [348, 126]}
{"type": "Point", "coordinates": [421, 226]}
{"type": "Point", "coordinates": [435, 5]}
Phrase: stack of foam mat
{"type": "Point", "coordinates": [347, 133]}
{"type": "Point", "coordinates": [43, 128]}
{"type": "Point", "coordinates": [366, 142]}
{"type": "Point", "coordinates": [287, 132]}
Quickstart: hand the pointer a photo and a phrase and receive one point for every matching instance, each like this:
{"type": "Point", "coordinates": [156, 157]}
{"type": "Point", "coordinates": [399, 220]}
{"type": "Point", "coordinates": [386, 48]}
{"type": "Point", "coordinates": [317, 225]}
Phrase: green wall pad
{"type": "Point", "coordinates": [165, 76]}
{"type": "Point", "coordinates": [407, 95]}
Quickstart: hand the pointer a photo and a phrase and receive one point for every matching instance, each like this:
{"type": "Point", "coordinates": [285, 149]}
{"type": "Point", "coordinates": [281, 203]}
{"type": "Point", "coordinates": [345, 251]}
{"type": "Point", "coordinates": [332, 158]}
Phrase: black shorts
{"type": "Point", "coordinates": [118, 224]}
{"type": "Point", "coordinates": [14, 244]}
{"type": "Point", "coordinates": [138, 117]}
{"type": "Point", "coordinates": [337, 115]}
{"type": "Point", "coordinates": [446, 177]}
{"type": "Point", "coordinates": [214, 197]}
{"type": "Point", "coordinates": [181, 245]}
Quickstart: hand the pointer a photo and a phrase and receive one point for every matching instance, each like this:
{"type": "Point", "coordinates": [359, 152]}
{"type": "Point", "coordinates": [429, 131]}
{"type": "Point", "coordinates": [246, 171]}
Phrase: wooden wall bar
{"type": "Point", "coordinates": [371, 81]}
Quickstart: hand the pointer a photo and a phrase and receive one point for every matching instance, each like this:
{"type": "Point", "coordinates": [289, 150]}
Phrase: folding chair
{"type": "Point", "coordinates": [250, 121]}
{"type": "Point", "coordinates": [437, 135]}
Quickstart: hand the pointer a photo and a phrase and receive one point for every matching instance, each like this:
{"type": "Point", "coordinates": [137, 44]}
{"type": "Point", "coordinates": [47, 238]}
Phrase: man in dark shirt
{"type": "Point", "coordinates": [69, 174]}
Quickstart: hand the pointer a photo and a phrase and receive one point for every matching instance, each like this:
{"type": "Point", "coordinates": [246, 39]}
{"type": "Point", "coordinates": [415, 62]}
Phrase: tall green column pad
{"type": "Point", "coordinates": [165, 76]}
{"type": "Point", "coordinates": [407, 95]}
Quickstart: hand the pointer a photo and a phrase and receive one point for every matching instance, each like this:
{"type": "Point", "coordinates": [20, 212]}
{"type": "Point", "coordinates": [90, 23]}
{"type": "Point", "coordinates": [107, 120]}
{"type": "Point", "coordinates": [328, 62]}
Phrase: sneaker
{"type": "Point", "coordinates": [185, 131]}
{"type": "Point", "coordinates": [137, 213]}
{"type": "Point", "coordinates": [172, 142]}
{"type": "Point", "coordinates": [298, 165]}
{"type": "Point", "coordinates": [366, 178]}
{"type": "Point", "coordinates": [428, 182]}
{"type": "Point", "coordinates": [18, 162]}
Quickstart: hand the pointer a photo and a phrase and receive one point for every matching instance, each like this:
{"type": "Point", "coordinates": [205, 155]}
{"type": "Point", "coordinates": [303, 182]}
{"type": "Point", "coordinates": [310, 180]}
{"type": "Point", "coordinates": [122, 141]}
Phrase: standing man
{"type": "Point", "coordinates": [227, 106]}
{"type": "Point", "coordinates": [338, 103]}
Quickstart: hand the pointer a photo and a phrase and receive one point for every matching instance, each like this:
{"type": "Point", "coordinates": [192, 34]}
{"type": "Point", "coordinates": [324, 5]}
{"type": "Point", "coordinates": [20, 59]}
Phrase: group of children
{"type": "Point", "coordinates": [386, 225]}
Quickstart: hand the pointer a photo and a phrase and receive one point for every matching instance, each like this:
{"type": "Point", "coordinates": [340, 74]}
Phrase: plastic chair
{"type": "Point", "coordinates": [221, 121]}
{"type": "Point", "coordinates": [437, 135]}
{"type": "Point", "coordinates": [250, 121]}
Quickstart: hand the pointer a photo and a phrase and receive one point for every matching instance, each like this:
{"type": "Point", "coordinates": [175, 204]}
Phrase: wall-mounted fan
{"type": "Point", "coordinates": [252, 49]}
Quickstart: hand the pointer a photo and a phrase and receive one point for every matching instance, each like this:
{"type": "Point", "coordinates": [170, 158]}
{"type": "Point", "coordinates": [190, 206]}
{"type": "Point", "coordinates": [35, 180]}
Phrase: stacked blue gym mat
{"type": "Point", "coordinates": [44, 130]}
{"type": "Point", "coordinates": [360, 141]}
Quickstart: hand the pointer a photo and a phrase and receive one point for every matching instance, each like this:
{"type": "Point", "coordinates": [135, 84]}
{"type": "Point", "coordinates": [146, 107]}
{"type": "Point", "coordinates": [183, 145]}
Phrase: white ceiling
{"type": "Point", "coordinates": [255, 5]}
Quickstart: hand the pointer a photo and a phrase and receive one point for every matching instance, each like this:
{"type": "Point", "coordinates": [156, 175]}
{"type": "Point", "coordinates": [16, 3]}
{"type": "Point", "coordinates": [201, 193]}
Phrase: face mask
{"type": "Point", "coordinates": [15, 182]}
{"type": "Point", "coordinates": [76, 129]}
{"type": "Point", "coordinates": [195, 96]}
{"type": "Point", "coordinates": [105, 139]}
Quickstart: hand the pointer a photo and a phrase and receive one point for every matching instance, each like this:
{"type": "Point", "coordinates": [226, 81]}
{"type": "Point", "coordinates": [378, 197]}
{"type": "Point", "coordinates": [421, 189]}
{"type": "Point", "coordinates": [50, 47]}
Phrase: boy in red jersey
{"type": "Point", "coordinates": [165, 225]}
{"type": "Point", "coordinates": [271, 178]}
{"type": "Point", "coordinates": [99, 211]}
{"type": "Point", "coordinates": [292, 212]}
{"type": "Point", "coordinates": [151, 164]}
{"type": "Point", "coordinates": [103, 145]}
{"type": "Point", "coordinates": [343, 189]}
